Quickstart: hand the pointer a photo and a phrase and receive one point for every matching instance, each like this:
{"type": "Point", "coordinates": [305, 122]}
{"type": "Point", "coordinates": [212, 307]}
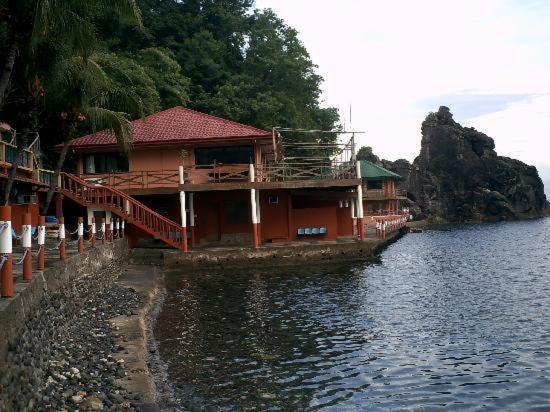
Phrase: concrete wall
{"type": "Point", "coordinates": [15, 311]}
{"type": "Point", "coordinates": [90, 213]}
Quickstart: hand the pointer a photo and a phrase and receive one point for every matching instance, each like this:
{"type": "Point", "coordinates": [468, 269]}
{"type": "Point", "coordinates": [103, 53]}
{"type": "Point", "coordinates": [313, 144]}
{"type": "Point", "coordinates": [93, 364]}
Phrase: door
{"type": "Point", "coordinates": [211, 221]}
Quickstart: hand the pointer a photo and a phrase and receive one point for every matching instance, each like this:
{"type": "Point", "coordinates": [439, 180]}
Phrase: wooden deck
{"type": "Point", "coordinates": [290, 184]}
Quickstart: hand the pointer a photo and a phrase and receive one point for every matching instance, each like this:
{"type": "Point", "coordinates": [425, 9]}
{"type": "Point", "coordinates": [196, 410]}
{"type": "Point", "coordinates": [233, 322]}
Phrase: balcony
{"type": "Point", "coordinates": [229, 177]}
{"type": "Point", "coordinates": [28, 170]}
{"type": "Point", "coordinates": [383, 194]}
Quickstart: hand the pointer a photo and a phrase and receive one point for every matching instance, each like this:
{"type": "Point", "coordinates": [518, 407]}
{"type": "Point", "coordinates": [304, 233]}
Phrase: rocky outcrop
{"type": "Point", "coordinates": [459, 177]}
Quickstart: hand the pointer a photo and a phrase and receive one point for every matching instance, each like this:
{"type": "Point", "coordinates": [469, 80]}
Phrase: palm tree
{"type": "Point", "coordinates": [33, 23]}
{"type": "Point", "coordinates": [43, 35]}
{"type": "Point", "coordinates": [83, 94]}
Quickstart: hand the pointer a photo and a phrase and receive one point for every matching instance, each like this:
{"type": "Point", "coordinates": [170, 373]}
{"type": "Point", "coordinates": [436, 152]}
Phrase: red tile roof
{"type": "Point", "coordinates": [175, 125]}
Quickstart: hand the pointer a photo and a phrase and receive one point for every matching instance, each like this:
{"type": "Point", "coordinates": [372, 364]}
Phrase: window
{"type": "Point", "coordinates": [206, 156]}
{"type": "Point", "coordinates": [273, 200]}
{"type": "Point", "coordinates": [236, 213]}
{"type": "Point", "coordinates": [106, 163]}
{"type": "Point", "coordinates": [375, 184]}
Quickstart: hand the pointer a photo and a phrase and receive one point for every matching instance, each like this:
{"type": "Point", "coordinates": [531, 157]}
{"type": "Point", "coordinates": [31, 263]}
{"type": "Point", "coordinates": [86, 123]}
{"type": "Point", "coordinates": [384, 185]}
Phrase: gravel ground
{"type": "Point", "coordinates": [67, 357]}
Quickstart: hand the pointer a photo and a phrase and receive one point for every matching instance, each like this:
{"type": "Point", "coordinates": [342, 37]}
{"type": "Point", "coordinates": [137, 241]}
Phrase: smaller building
{"type": "Point", "coordinates": [31, 180]}
{"type": "Point", "coordinates": [380, 194]}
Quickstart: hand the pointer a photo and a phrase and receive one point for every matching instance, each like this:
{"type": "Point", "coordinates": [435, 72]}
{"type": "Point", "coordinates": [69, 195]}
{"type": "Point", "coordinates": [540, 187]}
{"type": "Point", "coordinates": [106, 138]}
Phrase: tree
{"type": "Point", "coordinates": [83, 93]}
{"type": "Point", "coordinates": [243, 64]}
{"type": "Point", "coordinates": [365, 153]}
{"type": "Point", "coordinates": [39, 34]}
{"type": "Point", "coordinates": [171, 85]}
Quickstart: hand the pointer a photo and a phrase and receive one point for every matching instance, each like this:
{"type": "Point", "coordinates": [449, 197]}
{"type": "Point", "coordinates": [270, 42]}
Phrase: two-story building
{"type": "Point", "coordinates": [380, 194]}
{"type": "Point", "coordinates": [238, 186]}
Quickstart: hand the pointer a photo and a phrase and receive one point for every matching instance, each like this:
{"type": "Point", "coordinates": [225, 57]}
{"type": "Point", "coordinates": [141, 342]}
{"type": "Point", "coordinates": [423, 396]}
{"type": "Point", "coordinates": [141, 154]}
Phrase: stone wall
{"type": "Point", "coordinates": [274, 255]}
{"type": "Point", "coordinates": [14, 312]}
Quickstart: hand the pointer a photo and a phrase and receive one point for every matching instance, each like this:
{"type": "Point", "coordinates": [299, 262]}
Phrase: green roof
{"type": "Point", "coordinates": [371, 171]}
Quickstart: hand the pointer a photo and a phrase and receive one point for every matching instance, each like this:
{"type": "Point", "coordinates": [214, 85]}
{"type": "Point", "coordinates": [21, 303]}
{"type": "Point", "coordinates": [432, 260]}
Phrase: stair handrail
{"type": "Point", "coordinates": [123, 195]}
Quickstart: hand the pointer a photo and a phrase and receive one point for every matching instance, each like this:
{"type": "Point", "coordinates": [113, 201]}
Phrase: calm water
{"type": "Point", "coordinates": [456, 318]}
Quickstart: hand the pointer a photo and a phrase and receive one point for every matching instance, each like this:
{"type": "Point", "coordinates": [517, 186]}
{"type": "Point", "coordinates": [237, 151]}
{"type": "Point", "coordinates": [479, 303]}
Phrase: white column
{"type": "Point", "coordinates": [182, 200]}
{"type": "Point", "coordinates": [192, 209]}
{"type": "Point", "coordinates": [258, 213]}
{"type": "Point", "coordinates": [253, 197]}
{"type": "Point", "coordinates": [359, 193]}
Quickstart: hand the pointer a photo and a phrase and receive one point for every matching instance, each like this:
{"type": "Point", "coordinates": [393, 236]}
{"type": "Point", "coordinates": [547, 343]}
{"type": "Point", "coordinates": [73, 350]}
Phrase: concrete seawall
{"type": "Point", "coordinates": [14, 312]}
{"type": "Point", "coordinates": [283, 255]}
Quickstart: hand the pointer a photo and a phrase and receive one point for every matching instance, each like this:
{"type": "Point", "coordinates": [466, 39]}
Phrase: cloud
{"type": "Point", "coordinates": [394, 61]}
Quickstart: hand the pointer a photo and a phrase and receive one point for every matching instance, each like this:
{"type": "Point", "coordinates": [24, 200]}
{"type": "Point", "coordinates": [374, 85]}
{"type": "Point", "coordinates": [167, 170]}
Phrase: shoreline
{"type": "Point", "coordinates": [94, 317]}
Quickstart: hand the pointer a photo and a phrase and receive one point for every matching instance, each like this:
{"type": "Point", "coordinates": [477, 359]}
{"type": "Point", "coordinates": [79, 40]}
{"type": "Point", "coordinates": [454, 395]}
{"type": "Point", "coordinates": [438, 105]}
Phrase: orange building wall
{"type": "Point", "coordinates": [345, 222]}
{"type": "Point", "coordinates": [315, 217]}
{"type": "Point", "coordinates": [208, 204]}
{"type": "Point", "coordinates": [156, 159]}
{"type": "Point", "coordinates": [274, 217]}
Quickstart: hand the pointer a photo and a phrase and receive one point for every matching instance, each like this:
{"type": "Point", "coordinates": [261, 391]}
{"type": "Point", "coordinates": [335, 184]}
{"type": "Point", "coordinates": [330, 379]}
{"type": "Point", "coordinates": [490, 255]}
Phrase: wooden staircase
{"type": "Point", "coordinates": [122, 205]}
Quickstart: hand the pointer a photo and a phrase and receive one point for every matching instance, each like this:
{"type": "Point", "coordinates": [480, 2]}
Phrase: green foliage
{"type": "Point", "coordinates": [171, 85]}
{"type": "Point", "coordinates": [125, 73]}
{"type": "Point", "coordinates": [365, 153]}
{"type": "Point", "coordinates": [217, 56]}
{"type": "Point", "coordinates": [242, 64]}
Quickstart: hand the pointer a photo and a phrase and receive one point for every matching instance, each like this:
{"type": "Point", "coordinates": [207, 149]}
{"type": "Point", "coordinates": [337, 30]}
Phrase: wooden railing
{"type": "Point", "coordinates": [8, 154]}
{"type": "Point", "coordinates": [304, 171]}
{"type": "Point", "coordinates": [217, 174]}
{"type": "Point", "coordinates": [45, 176]}
{"type": "Point", "coordinates": [383, 194]}
{"type": "Point", "coordinates": [123, 206]}
{"type": "Point", "coordinates": [135, 180]}
{"type": "Point", "coordinates": [29, 162]}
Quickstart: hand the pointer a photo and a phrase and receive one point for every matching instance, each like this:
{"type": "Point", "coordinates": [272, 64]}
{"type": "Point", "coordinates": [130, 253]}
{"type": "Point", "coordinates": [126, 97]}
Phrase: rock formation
{"type": "Point", "coordinates": [458, 176]}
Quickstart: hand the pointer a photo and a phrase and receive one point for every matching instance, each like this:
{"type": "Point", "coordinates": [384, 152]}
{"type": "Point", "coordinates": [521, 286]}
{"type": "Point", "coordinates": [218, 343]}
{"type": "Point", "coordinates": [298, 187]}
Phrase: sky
{"type": "Point", "coordinates": [395, 61]}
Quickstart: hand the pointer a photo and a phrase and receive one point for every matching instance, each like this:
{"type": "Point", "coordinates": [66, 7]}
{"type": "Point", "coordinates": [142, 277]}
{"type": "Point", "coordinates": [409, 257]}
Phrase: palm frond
{"type": "Point", "coordinates": [117, 122]}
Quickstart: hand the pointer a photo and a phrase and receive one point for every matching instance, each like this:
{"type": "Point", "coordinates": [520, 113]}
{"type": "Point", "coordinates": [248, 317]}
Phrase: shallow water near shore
{"type": "Point", "coordinates": [457, 317]}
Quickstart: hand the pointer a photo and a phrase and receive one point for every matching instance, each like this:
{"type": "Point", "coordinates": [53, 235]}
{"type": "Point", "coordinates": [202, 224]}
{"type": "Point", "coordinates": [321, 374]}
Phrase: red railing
{"type": "Point", "coordinates": [146, 179]}
{"type": "Point", "coordinates": [124, 206]}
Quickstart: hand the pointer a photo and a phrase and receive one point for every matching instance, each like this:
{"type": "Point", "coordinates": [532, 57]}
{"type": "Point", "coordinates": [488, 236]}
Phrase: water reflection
{"type": "Point", "coordinates": [450, 318]}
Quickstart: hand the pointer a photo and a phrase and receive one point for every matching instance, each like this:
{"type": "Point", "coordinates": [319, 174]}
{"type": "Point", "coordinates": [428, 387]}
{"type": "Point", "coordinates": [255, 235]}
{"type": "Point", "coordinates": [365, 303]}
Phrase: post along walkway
{"type": "Point", "coordinates": [24, 254]}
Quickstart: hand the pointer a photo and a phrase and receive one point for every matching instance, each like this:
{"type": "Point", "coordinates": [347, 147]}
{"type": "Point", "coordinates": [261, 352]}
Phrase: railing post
{"type": "Point", "coordinates": [41, 242]}
{"type": "Point", "coordinates": [117, 227]}
{"type": "Point", "coordinates": [182, 210]}
{"type": "Point", "coordinates": [26, 241]}
{"type": "Point", "coordinates": [122, 229]}
{"type": "Point", "coordinates": [254, 211]}
{"type": "Point", "coordinates": [62, 240]}
{"type": "Point", "coordinates": [80, 231]}
{"type": "Point", "coordinates": [93, 232]}
{"type": "Point", "coordinates": [6, 274]}
{"type": "Point", "coordinates": [103, 231]}
{"type": "Point", "coordinates": [111, 229]}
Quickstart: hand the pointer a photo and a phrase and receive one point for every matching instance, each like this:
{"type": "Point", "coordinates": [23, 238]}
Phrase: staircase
{"type": "Point", "coordinates": [122, 205]}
